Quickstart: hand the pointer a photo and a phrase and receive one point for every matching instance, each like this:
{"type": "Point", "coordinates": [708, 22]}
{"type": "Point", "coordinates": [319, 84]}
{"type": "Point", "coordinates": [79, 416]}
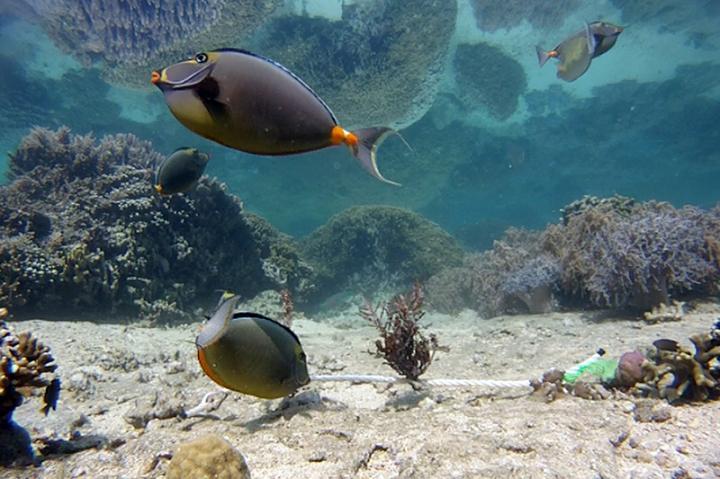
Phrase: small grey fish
{"type": "Point", "coordinates": [180, 171]}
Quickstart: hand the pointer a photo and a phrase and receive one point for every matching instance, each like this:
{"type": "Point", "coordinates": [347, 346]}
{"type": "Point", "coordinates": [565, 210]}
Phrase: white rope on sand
{"type": "Point", "coordinates": [360, 378]}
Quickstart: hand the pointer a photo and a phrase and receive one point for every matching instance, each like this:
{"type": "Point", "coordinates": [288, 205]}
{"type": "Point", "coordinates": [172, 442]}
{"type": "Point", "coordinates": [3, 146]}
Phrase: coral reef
{"type": "Point", "coordinates": [486, 77]}
{"type": "Point", "coordinates": [612, 252]}
{"type": "Point", "coordinates": [619, 253]}
{"type": "Point", "coordinates": [532, 285]}
{"type": "Point", "coordinates": [80, 229]}
{"type": "Point", "coordinates": [134, 36]}
{"type": "Point", "coordinates": [379, 64]}
{"type": "Point", "coordinates": [374, 247]}
{"type": "Point", "coordinates": [208, 457]}
{"type": "Point", "coordinates": [402, 343]}
{"type": "Point", "coordinates": [25, 364]}
{"type": "Point", "coordinates": [493, 15]}
{"type": "Point", "coordinates": [676, 373]}
{"type": "Point", "coordinates": [515, 276]}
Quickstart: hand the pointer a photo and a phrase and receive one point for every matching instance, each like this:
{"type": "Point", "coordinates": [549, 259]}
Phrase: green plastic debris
{"type": "Point", "coordinates": [603, 369]}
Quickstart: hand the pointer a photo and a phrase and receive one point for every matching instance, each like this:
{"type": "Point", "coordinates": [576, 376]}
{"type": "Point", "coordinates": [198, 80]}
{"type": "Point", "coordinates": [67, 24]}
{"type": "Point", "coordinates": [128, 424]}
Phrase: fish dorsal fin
{"type": "Point", "coordinates": [217, 324]}
{"type": "Point", "coordinates": [247, 314]}
{"type": "Point", "coordinates": [591, 43]}
{"type": "Point", "coordinates": [286, 70]}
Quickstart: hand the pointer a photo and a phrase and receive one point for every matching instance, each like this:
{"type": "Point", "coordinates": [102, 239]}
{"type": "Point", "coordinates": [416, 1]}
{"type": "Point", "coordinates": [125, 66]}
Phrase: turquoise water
{"type": "Point", "coordinates": [642, 122]}
{"type": "Point", "coordinates": [489, 140]}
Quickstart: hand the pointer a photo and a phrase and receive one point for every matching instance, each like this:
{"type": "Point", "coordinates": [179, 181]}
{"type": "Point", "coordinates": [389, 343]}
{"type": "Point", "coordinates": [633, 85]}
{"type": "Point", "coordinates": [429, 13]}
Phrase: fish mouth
{"type": "Point", "coordinates": [160, 78]}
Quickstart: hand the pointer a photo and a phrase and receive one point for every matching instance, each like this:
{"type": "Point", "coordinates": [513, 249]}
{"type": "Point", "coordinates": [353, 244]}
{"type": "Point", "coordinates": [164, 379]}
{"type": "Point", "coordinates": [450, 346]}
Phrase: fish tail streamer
{"type": "Point", "coordinates": [365, 149]}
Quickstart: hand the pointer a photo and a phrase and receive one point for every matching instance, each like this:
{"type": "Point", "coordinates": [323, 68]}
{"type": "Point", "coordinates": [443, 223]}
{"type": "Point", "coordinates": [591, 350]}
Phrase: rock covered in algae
{"type": "Point", "coordinates": [208, 457]}
{"type": "Point", "coordinates": [488, 79]}
{"type": "Point", "coordinates": [80, 220]}
{"type": "Point", "coordinates": [378, 246]}
{"type": "Point", "coordinates": [381, 64]}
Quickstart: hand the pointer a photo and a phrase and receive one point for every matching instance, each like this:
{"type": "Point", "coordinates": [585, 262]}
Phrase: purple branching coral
{"type": "Point", "coordinates": [530, 288]}
{"type": "Point", "coordinates": [638, 256]}
{"type": "Point", "coordinates": [514, 276]}
{"type": "Point", "coordinates": [82, 229]}
{"type": "Point", "coordinates": [611, 252]}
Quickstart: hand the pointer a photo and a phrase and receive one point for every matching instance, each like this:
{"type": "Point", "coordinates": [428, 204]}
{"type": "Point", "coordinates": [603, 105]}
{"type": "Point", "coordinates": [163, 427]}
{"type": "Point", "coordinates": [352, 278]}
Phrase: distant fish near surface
{"type": "Point", "coordinates": [576, 52]}
{"type": "Point", "coordinates": [180, 171]}
{"type": "Point", "coordinates": [251, 353]}
{"type": "Point", "coordinates": [254, 104]}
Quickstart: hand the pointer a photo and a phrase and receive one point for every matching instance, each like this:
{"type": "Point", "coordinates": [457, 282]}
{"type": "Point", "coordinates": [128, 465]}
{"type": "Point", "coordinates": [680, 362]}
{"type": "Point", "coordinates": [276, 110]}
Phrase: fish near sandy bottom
{"type": "Point", "coordinates": [576, 52]}
{"type": "Point", "coordinates": [251, 354]}
{"type": "Point", "coordinates": [180, 171]}
{"type": "Point", "coordinates": [253, 104]}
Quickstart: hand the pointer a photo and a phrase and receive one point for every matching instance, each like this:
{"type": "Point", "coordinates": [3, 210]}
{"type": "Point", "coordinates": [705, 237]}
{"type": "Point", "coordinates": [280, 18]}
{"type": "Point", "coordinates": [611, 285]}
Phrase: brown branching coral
{"type": "Point", "coordinates": [24, 363]}
{"type": "Point", "coordinates": [676, 373]}
{"type": "Point", "coordinates": [402, 344]}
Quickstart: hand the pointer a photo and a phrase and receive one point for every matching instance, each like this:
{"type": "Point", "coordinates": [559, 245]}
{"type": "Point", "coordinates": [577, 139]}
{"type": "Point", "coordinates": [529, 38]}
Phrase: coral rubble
{"type": "Point", "coordinates": [678, 374]}
{"type": "Point", "coordinates": [81, 229]}
{"type": "Point", "coordinates": [378, 246]}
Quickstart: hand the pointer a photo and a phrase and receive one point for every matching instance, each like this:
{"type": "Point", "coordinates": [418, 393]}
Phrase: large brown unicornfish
{"type": "Point", "coordinates": [254, 104]}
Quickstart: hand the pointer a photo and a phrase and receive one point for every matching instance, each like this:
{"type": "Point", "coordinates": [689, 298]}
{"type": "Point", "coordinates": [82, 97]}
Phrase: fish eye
{"type": "Point", "coordinates": [201, 57]}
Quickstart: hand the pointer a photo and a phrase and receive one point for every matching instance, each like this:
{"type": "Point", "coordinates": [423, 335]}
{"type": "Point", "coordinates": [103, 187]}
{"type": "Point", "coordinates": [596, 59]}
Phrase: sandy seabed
{"type": "Point", "coordinates": [116, 377]}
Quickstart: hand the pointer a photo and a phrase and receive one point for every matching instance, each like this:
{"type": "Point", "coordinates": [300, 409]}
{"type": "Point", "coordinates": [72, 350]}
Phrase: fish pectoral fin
{"type": "Point", "coordinates": [218, 111]}
{"type": "Point", "coordinates": [209, 91]}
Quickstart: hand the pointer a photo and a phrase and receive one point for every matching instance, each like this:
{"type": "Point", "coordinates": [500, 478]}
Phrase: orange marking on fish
{"type": "Point", "coordinates": [159, 189]}
{"type": "Point", "coordinates": [209, 370]}
{"type": "Point", "coordinates": [351, 139]}
{"type": "Point", "coordinates": [552, 53]}
{"type": "Point", "coordinates": [155, 77]}
{"type": "Point", "coordinates": [341, 135]}
{"type": "Point", "coordinates": [337, 135]}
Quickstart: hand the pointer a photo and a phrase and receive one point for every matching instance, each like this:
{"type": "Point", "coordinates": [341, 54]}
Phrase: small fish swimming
{"type": "Point", "coordinates": [51, 396]}
{"type": "Point", "coordinates": [251, 354]}
{"type": "Point", "coordinates": [254, 104]}
{"type": "Point", "coordinates": [576, 52]}
{"type": "Point", "coordinates": [180, 171]}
